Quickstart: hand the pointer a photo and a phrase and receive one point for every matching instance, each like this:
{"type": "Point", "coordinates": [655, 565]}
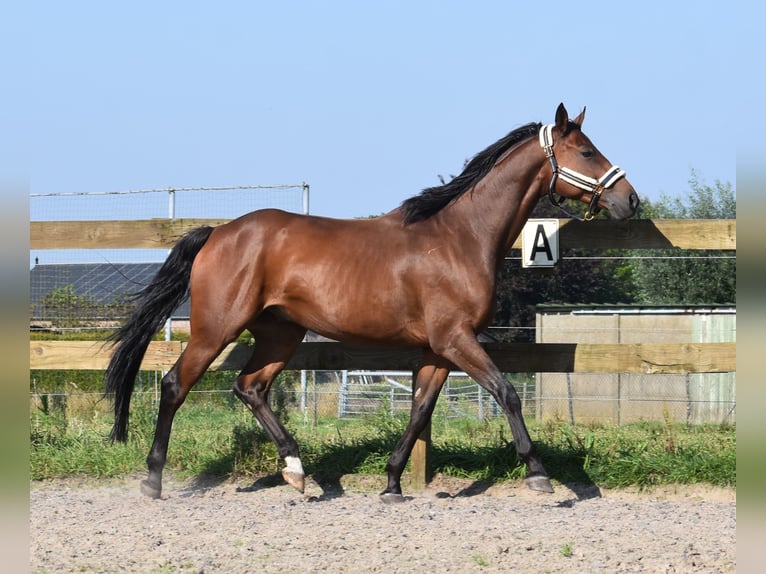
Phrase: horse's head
{"type": "Point", "coordinates": [580, 171]}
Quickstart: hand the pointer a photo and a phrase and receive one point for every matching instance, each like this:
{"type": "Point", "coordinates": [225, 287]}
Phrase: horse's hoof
{"type": "Point", "coordinates": [294, 479]}
{"type": "Point", "coordinates": [391, 498]}
{"type": "Point", "coordinates": [539, 483]}
{"type": "Point", "coordinates": [148, 489]}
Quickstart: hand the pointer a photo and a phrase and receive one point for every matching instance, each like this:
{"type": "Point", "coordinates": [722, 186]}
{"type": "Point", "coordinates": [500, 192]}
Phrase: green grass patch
{"type": "Point", "coordinates": [216, 435]}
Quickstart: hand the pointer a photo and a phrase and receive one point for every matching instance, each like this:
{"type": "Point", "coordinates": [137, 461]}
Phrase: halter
{"type": "Point", "coordinates": [595, 186]}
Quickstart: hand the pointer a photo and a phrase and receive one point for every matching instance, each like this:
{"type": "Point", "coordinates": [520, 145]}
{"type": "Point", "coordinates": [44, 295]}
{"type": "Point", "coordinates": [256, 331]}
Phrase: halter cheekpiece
{"type": "Point", "coordinates": [595, 186]}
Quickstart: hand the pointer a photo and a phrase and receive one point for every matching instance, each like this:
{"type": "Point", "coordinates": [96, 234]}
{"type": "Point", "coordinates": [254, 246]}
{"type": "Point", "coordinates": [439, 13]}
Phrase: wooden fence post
{"type": "Point", "coordinates": [420, 459]}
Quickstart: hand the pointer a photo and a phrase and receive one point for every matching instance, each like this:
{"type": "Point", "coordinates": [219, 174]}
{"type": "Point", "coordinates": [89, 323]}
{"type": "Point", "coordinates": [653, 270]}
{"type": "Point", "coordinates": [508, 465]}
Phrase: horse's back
{"type": "Point", "coordinates": [287, 235]}
{"type": "Point", "coordinates": [334, 276]}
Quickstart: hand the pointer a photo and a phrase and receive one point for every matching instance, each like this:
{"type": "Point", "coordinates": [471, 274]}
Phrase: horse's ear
{"type": "Point", "coordinates": [562, 119]}
{"type": "Point", "coordinates": [579, 119]}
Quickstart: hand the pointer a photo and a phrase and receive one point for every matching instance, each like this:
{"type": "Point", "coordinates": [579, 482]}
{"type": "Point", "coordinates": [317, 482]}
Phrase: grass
{"type": "Point", "coordinates": [215, 436]}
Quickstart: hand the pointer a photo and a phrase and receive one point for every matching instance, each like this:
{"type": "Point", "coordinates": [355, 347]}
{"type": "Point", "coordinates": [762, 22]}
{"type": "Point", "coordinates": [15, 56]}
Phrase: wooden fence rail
{"type": "Point", "coordinates": [602, 233]}
{"type": "Point", "coordinates": [644, 358]}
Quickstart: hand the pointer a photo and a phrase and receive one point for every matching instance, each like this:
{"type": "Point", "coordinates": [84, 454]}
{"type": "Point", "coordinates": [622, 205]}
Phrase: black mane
{"type": "Point", "coordinates": [432, 199]}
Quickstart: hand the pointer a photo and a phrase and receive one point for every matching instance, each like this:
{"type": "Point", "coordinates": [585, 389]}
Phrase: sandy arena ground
{"type": "Point", "coordinates": [453, 526]}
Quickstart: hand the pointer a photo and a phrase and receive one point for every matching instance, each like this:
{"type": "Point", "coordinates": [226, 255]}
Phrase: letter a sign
{"type": "Point", "coordinates": [540, 243]}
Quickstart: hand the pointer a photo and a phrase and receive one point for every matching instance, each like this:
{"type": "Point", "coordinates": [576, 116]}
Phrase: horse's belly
{"type": "Point", "coordinates": [365, 326]}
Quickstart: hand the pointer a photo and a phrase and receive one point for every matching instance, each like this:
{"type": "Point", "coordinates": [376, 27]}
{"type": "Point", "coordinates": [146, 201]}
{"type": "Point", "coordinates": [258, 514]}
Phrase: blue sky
{"type": "Point", "coordinates": [367, 102]}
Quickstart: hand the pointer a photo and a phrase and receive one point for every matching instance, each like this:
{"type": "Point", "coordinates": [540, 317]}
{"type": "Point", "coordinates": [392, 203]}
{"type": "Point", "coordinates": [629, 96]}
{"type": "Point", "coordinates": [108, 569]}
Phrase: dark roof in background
{"type": "Point", "coordinates": [101, 282]}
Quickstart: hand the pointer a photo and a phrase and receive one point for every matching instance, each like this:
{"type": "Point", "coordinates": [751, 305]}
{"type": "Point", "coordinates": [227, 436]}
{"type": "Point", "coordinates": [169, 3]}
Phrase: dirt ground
{"type": "Point", "coordinates": [342, 526]}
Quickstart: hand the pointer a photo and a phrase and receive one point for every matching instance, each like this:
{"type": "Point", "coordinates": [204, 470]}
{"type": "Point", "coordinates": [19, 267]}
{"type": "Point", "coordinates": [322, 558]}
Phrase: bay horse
{"type": "Point", "coordinates": [422, 275]}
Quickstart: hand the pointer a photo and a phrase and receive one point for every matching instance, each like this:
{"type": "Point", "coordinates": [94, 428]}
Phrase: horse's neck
{"type": "Point", "coordinates": [502, 201]}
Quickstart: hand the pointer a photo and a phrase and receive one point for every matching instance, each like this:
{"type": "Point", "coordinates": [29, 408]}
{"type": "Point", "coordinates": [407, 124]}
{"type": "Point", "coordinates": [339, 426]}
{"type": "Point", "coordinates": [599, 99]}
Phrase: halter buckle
{"type": "Point", "coordinates": [593, 208]}
{"type": "Point", "coordinates": [546, 140]}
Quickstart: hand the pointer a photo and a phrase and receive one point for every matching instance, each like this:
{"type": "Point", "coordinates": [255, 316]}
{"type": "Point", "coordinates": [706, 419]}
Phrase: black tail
{"type": "Point", "coordinates": [154, 304]}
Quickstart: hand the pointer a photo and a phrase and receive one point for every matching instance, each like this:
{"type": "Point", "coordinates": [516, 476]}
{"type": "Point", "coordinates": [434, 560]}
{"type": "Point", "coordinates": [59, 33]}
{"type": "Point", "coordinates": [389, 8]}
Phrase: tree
{"type": "Point", "coordinates": [686, 277]}
{"type": "Point", "coordinates": [65, 306]}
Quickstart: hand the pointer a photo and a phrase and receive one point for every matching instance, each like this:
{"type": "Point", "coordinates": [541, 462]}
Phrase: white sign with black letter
{"type": "Point", "coordinates": [540, 243]}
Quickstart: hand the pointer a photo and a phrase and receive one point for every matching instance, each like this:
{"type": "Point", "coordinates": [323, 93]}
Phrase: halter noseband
{"type": "Point", "coordinates": [595, 186]}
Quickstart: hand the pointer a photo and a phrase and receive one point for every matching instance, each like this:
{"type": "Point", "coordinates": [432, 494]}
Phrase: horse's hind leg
{"type": "Point", "coordinates": [426, 387]}
{"type": "Point", "coordinates": [275, 343]}
{"type": "Point", "coordinates": [176, 384]}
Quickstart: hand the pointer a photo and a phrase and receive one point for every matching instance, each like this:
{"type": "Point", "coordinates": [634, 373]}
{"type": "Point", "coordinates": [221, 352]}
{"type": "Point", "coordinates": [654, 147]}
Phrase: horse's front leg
{"type": "Point", "coordinates": [466, 353]}
{"type": "Point", "coordinates": [428, 382]}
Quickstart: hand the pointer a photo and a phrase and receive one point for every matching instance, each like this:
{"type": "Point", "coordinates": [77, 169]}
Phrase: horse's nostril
{"type": "Point", "coordinates": [633, 201]}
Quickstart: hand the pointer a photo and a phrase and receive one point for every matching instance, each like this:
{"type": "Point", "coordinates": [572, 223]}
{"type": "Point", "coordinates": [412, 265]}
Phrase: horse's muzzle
{"type": "Point", "coordinates": [621, 206]}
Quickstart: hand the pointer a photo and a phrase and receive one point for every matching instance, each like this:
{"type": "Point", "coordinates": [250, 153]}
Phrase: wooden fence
{"type": "Point", "coordinates": [677, 358]}
{"type": "Point", "coordinates": [645, 358]}
{"type": "Point", "coordinates": [163, 233]}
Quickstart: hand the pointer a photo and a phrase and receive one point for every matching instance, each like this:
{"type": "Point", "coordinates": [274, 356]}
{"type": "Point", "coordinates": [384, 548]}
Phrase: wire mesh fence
{"type": "Point", "coordinates": [188, 202]}
{"type": "Point", "coordinates": [324, 397]}
{"type": "Point", "coordinates": [321, 395]}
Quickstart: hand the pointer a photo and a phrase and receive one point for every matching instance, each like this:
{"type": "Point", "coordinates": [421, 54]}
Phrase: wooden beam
{"type": "Point", "coordinates": [139, 234]}
{"type": "Point", "coordinates": [94, 355]}
{"type": "Point", "coordinates": [676, 358]}
{"type": "Point", "coordinates": [647, 234]}
{"type": "Point", "coordinates": [646, 358]}
{"type": "Point", "coordinates": [163, 233]}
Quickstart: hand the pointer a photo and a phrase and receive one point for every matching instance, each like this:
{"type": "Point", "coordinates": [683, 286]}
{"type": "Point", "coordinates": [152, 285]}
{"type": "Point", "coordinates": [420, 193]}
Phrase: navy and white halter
{"type": "Point", "coordinates": [584, 182]}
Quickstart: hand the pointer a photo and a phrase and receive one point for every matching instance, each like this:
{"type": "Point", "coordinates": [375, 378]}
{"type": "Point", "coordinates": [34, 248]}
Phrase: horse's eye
{"type": "Point", "coordinates": [587, 153]}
